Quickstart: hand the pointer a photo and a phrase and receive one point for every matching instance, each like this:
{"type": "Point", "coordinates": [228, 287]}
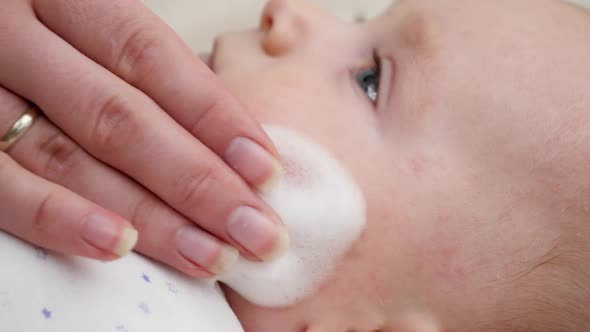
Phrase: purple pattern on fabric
{"type": "Point", "coordinates": [172, 288]}
{"type": "Point", "coordinates": [121, 328]}
{"type": "Point", "coordinates": [4, 299]}
{"type": "Point", "coordinates": [144, 307]}
{"type": "Point", "coordinates": [146, 278]}
{"type": "Point", "coordinates": [46, 313]}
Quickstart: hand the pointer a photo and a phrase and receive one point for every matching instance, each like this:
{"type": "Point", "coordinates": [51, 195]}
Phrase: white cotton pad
{"type": "Point", "coordinates": [324, 211]}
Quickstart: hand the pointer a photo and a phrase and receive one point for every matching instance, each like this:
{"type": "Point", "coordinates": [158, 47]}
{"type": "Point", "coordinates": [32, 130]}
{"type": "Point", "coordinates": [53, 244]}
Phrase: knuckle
{"type": "Point", "coordinates": [61, 156]}
{"type": "Point", "coordinates": [144, 210]}
{"type": "Point", "coordinates": [205, 116]}
{"type": "Point", "coordinates": [115, 123]}
{"type": "Point", "coordinates": [137, 52]}
{"type": "Point", "coordinates": [194, 188]}
{"type": "Point", "coordinates": [42, 220]}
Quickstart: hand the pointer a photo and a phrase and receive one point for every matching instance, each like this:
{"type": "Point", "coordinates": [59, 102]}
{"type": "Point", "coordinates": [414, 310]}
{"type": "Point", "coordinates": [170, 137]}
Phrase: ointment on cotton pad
{"type": "Point", "coordinates": [324, 211]}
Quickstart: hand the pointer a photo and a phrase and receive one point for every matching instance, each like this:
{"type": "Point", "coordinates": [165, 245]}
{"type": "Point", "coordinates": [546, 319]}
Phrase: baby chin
{"type": "Point", "coordinates": [324, 212]}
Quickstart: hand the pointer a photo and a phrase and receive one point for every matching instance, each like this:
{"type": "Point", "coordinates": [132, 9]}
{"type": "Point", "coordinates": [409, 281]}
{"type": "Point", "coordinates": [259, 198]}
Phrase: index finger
{"type": "Point", "coordinates": [129, 40]}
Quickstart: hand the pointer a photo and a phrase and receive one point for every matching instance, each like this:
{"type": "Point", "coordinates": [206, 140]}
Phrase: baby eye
{"type": "Point", "coordinates": [368, 79]}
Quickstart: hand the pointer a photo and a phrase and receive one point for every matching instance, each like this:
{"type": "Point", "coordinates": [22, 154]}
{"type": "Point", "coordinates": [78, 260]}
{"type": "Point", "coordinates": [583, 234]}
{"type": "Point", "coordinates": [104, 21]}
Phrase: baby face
{"type": "Point", "coordinates": [463, 122]}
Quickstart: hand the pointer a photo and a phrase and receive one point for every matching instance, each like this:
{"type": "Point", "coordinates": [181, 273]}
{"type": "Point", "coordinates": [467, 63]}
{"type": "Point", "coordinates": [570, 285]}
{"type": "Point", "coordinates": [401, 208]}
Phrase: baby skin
{"type": "Point", "coordinates": [466, 123]}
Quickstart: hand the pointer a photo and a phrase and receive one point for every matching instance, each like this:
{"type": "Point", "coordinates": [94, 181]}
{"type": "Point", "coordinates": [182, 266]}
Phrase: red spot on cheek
{"type": "Point", "coordinates": [438, 253]}
{"type": "Point", "coordinates": [443, 241]}
{"type": "Point", "coordinates": [417, 165]}
{"type": "Point", "coordinates": [448, 250]}
{"type": "Point", "coordinates": [295, 173]}
{"type": "Point", "coordinates": [300, 173]}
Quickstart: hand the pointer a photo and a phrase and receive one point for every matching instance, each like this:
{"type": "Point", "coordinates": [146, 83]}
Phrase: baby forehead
{"type": "Point", "coordinates": [415, 7]}
{"type": "Point", "coordinates": [415, 24]}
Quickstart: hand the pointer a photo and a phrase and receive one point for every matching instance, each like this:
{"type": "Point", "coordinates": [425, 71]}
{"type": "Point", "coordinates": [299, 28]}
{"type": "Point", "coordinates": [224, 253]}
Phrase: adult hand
{"type": "Point", "coordinates": [137, 134]}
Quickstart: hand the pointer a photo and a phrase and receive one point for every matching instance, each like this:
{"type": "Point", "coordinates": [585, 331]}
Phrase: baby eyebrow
{"type": "Point", "coordinates": [412, 28]}
{"type": "Point", "coordinates": [415, 33]}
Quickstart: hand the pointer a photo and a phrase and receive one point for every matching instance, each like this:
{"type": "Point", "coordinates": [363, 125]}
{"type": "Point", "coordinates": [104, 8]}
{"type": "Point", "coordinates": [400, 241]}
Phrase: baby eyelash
{"type": "Point", "coordinates": [377, 60]}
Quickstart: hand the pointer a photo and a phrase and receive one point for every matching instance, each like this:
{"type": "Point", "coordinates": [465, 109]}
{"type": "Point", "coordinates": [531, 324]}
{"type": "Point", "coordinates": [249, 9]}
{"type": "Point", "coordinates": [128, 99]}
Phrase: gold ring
{"type": "Point", "coordinates": [19, 128]}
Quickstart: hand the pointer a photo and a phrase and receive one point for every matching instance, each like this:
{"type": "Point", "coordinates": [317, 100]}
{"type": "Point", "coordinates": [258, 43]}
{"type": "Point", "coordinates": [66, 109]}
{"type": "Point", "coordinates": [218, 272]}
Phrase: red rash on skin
{"type": "Point", "coordinates": [294, 172]}
{"type": "Point", "coordinates": [417, 166]}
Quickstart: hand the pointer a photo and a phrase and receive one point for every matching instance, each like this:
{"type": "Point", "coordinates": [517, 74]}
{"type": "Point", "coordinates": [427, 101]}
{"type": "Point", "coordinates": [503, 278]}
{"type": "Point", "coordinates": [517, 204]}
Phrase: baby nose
{"type": "Point", "coordinates": [286, 25]}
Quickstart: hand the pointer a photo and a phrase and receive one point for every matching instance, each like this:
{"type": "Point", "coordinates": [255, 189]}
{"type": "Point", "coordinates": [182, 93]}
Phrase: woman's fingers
{"type": "Point", "coordinates": [48, 153]}
{"type": "Point", "coordinates": [163, 232]}
{"type": "Point", "coordinates": [49, 215]}
{"type": "Point", "coordinates": [125, 129]}
{"type": "Point", "coordinates": [52, 217]}
{"type": "Point", "coordinates": [130, 41]}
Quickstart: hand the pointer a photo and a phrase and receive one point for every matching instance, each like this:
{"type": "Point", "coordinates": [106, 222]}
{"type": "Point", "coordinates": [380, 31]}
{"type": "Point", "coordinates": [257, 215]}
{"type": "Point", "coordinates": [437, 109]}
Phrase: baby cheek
{"type": "Point", "coordinates": [442, 253]}
{"type": "Point", "coordinates": [413, 231]}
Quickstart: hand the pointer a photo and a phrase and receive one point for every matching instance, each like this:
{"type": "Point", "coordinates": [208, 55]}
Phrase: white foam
{"type": "Point", "coordinates": [324, 211]}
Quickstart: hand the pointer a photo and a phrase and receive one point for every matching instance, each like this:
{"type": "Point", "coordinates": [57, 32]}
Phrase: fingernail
{"type": "Point", "coordinates": [257, 233]}
{"type": "Point", "coordinates": [256, 165]}
{"type": "Point", "coordinates": [205, 251]}
{"type": "Point", "coordinates": [104, 233]}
